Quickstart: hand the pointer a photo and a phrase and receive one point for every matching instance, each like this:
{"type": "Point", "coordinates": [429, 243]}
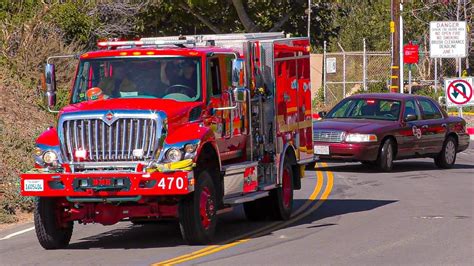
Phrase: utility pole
{"type": "Point", "coordinates": [309, 19]}
{"type": "Point", "coordinates": [395, 32]}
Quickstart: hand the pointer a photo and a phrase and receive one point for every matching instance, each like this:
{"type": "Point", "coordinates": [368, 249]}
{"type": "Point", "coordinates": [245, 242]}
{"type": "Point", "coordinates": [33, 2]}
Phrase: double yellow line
{"type": "Point", "coordinates": [306, 209]}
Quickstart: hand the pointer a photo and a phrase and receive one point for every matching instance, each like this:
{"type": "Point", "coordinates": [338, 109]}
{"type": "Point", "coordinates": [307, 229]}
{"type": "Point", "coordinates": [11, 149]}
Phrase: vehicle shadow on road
{"type": "Point", "coordinates": [231, 225]}
{"type": "Point", "coordinates": [398, 167]}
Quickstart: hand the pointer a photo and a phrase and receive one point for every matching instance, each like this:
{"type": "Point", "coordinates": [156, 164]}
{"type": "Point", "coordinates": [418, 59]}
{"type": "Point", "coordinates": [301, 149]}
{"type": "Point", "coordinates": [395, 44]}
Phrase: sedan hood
{"type": "Point", "coordinates": [352, 125]}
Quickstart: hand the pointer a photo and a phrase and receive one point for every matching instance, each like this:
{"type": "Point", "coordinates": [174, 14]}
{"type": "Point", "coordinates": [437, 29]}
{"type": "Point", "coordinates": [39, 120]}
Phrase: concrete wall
{"type": "Point", "coordinates": [316, 73]}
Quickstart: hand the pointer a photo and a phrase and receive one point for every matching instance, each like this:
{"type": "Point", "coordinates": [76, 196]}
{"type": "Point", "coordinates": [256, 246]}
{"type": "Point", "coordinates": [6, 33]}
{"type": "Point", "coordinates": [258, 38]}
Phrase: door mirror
{"type": "Point", "coordinates": [240, 95]}
{"type": "Point", "coordinates": [410, 117]}
{"type": "Point", "coordinates": [238, 73]}
{"type": "Point", "coordinates": [50, 80]}
{"type": "Point", "coordinates": [322, 114]}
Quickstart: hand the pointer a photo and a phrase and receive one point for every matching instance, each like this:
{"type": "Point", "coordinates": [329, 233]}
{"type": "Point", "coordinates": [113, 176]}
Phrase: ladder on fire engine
{"type": "Point", "coordinates": [194, 40]}
{"type": "Point", "coordinates": [221, 37]}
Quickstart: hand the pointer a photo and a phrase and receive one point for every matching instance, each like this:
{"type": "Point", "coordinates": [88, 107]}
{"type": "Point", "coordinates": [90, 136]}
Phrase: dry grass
{"type": "Point", "coordinates": [22, 113]}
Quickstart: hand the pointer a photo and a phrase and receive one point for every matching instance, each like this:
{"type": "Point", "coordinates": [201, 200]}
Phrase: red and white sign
{"type": "Point", "coordinates": [459, 91]}
{"type": "Point", "coordinates": [410, 54]}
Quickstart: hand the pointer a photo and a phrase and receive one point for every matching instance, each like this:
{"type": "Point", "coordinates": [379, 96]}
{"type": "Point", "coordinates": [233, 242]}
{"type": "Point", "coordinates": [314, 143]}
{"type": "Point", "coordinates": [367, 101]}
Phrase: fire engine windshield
{"type": "Point", "coordinates": [176, 78]}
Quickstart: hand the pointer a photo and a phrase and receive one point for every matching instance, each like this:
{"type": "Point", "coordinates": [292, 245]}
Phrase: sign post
{"type": "Point", "coordinates": [459, 92]}
{"type": "Point", "coordinates": [448, 39]}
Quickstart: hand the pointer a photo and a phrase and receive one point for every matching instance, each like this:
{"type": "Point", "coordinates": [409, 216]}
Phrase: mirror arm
{"type": "Point", "coordinates": [75, 56]}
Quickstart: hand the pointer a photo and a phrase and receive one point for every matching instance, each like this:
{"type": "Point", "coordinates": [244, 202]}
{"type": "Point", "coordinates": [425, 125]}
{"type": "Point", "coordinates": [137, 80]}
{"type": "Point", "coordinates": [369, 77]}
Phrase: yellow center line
{"type": "Point", "coordinates": [246, 237]}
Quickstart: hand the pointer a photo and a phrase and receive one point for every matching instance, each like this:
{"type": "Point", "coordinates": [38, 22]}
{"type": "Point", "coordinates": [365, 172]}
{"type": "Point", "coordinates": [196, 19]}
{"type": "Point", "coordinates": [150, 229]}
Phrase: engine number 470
{"type": "Point", "coordinates": [171, 183]}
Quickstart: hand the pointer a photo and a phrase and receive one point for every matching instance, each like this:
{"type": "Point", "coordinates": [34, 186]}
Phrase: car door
{"type": "Point", "coordinates": [433, 124]}
{"type": "Point", "coordinates": [410, 132]}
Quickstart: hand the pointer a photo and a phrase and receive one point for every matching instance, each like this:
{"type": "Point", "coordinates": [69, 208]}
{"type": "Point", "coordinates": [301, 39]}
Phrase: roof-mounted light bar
{"type": "Point", "coordinates": [151, 42]}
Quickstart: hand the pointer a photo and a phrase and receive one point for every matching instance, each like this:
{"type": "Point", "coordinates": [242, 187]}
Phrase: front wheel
{"type": "Point", "coordinates": [447, 157]}
{"type": "Point", "coordinates": [197, 212]}
{"type": "Point", "coordinates": [51, 232]}
{"type": "Point", "coordinates": [386, 154]}
{"type": "Point", "coordinates": [281, 199]}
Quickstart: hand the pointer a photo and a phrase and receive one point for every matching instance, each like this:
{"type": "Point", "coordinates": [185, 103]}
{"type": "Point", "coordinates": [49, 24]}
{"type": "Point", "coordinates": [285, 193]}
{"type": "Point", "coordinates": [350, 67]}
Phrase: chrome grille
{"type": "Point", "coordinates": [322, 135]}
{"type": "Point", "coordinates": [114, 141]}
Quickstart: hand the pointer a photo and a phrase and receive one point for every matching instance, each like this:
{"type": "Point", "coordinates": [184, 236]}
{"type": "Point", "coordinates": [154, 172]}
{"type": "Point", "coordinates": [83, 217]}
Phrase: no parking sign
{"type": "Point", "coordinates": [459, 91]}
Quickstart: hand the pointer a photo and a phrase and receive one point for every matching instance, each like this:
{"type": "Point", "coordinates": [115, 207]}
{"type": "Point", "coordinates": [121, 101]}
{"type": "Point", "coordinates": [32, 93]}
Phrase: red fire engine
{"type": "Point", "coordinates": [175, 127]}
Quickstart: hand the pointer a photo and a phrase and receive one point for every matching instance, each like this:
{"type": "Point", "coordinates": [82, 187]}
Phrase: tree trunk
{"type": "Point", "coordinates": [244, 17]}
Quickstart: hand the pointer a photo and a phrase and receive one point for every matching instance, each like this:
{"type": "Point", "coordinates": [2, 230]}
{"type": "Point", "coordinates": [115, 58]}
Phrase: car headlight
{"type": "Point", "coordinates": [356, 137]}
{"type": "Point", "coordinates": [50, 157]}
{"type": "Point", "coordinates": [190, 148]}
{"type": "Point", "coordinates": [174, 155]}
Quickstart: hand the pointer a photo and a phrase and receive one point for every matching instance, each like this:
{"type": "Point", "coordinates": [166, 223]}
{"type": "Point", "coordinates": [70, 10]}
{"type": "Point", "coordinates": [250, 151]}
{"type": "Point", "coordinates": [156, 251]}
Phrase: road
{"type": "Point", "coordinates": [346, 214]}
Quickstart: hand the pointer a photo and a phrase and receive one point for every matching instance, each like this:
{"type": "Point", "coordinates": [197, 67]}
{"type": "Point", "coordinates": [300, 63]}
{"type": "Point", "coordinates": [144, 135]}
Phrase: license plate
{"type": "Point", "coordinates": [102, 183]}
{"type": "Point", "coordinates": [320, 149]}
{"type": "Point", "coordinates": [33, 185]}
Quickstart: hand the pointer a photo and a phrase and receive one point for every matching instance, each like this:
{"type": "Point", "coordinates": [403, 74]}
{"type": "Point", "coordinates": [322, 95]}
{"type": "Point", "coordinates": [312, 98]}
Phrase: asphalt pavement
{"type": "Point", "coordinates": [346, 214]}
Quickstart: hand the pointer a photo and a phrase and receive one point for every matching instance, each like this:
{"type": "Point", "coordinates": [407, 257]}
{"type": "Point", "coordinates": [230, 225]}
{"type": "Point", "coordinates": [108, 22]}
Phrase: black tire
{"type": "Point", "coordinates": [280, 210]}
{"type": "Point", "coordinates": [197, 230]}
{"type": "Point", "coordinates": [447, 157]}
{"type": "Point", "coordinates": [385, 157]}
{"type": "Point", "coordinates": [51, 234]}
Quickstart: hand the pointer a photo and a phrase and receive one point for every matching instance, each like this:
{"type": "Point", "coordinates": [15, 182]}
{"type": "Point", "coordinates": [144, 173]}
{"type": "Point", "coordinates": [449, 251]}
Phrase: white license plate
{"type": "Point", "coordinates": [34, 185]}
{"type": "Point", "coordinates": [319, 149]}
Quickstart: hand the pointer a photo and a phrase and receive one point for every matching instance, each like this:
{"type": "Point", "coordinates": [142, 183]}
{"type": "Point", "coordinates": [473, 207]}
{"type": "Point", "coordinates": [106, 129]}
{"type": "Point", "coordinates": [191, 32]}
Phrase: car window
{"type": "Point", "coordinates": [380, 109]}
{"type": "Point", "coordinates": [411, 108]}
{"type": "Point", "coordinates": [429, 110]}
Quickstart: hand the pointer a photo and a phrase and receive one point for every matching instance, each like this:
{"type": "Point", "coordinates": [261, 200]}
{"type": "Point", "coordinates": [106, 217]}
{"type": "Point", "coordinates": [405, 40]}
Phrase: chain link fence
{"type": "Point", "coordinates": [347, 72]}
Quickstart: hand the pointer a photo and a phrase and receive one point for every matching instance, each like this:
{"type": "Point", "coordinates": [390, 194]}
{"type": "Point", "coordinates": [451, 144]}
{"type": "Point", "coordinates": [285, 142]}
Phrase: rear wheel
{"type": "Point", "coordinates": [51, 231]}
{"type": "Point", "coordinates": [386, 154]}
{"type": "Point", "coordinates": [447, 157]}
{"type": "Point", "coordinates": [197, 212]}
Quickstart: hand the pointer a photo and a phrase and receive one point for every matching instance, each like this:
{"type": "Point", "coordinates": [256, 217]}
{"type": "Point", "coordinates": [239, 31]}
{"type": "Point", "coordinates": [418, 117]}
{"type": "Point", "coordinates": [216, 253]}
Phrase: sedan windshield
{"type": "Point", "coordinates": [175, 78]}
{"type": "Point", "coordinates": [379, 109]}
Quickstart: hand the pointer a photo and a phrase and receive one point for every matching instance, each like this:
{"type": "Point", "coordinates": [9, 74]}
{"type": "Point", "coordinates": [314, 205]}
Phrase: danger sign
{"type": "Point", "coordinates": [459, 92]}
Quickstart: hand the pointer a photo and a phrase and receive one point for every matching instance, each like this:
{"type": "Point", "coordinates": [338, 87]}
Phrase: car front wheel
{"type": "Point", "coordinates": [386, 154]}
{"type": "Point", "coordinates": [447, 157]}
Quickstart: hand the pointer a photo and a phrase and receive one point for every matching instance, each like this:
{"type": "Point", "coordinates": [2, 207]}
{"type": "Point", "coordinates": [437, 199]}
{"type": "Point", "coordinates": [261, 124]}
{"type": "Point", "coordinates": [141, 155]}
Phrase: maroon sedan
{"type": "Point", "coordinates": [377, 129]}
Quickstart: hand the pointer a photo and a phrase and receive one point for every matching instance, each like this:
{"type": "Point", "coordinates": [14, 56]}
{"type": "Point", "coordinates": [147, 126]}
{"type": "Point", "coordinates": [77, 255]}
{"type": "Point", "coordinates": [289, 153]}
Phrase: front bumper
{"type": "Point", "coordinates": [349, 151]}
{"type": "Point", "coordinates": [107, 184]}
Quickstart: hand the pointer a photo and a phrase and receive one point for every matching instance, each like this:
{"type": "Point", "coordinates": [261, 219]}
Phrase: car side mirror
{"type": "Point", "coordinates": [322, 114]}
{"type": "Point", "coordinates": [240, 95]}
{"type": "Point", "coordinates": [238, 73]}
{"type": "Point", "coordinates": [50, 81]}
{"type": "Point", "coordinates": [410, 117]}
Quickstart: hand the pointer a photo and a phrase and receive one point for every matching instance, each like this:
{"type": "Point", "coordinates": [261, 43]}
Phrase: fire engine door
{"type": "Point", "coordinates": [229, 125]}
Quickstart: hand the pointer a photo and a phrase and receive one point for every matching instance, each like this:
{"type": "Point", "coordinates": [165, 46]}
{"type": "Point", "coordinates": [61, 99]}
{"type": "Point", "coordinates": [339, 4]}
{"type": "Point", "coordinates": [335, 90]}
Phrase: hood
{"type": "Point", "coordinates": [353, 125]}
{"type": "Point", "coordinates": [174, 110]}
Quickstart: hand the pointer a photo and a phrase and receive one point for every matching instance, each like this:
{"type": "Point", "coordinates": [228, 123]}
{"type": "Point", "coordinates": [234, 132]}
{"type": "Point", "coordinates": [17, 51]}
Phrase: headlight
{"type": "Point", "coordinates": [174, 155]}
{"type": "Point", "coordinates": [50, 157]}
{"type": "Point", "coordinates": [355, 137]}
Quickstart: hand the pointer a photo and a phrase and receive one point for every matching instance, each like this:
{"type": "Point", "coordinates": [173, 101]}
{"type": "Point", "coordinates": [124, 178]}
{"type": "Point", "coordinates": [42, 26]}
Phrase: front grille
{"type": "Point", "coordinates": [322, 135]}
{"type": "Point", "coordinates": [115, 142]}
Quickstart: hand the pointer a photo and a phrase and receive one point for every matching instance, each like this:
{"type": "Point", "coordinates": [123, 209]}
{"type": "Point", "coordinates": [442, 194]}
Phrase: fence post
{"type": "Point", "coordinates": [364, 67]}
{"type": "Point", "coordinates": [436, 75]}
{"type": "Point", "coordinates": [324, 73]}
{"type": "Point", "coordinates": [343, 71]}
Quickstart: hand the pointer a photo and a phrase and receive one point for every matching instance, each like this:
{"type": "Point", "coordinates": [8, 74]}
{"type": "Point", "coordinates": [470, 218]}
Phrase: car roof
{"type": "Point", "coordinates": [387, 96]}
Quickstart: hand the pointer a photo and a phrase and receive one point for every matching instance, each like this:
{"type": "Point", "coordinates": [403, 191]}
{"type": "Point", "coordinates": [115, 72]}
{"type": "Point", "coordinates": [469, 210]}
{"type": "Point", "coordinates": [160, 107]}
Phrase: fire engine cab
{"type": "Point", "coordinates": [175, 127]}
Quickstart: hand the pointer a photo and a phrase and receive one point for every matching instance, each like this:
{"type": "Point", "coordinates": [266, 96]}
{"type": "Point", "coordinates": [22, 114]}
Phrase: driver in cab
{"type": "Point", "coordinates": [181, 78]}
{"type": "Point", "coordinates": [120, 83]}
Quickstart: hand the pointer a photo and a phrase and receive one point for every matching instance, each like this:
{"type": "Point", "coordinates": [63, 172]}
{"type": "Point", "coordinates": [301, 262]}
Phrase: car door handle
{"type": "Point", "coordinates": [424, 126]}
{"type": "Point", "coordinates": [444, 125]}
